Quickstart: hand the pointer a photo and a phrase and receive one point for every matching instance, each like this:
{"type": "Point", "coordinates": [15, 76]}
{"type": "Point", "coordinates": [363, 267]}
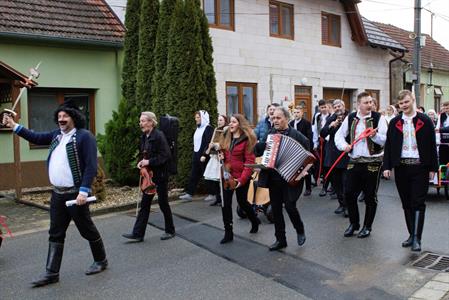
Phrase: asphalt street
{"type": "Point", "coordinates": [194, 265]}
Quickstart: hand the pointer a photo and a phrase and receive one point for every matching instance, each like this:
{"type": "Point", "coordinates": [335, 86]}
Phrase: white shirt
{"type": "Point", "coordinates": [409, 145]}
{"type": "Point", "coordinates": [59, 171]}
{"type": "Point", "coordinates": [296, 123]}
{"type": "Point", "coordinates": [361, 148]}
{"type": "Point", "coordinates": [316, 134]}
{"type": "Point", "coordinates": [438, 125]}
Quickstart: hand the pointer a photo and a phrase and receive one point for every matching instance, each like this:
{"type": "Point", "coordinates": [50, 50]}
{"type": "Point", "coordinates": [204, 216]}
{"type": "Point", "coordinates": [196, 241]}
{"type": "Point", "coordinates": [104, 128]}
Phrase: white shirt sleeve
{"type": "Point", "coordinates": [340, 135]}
{"type": "Point", "coordinates": [315, 135]}
{"type": "Point", "coordinates": [438, 135]}
{"type": "Point", "coordinates": [381, 135]}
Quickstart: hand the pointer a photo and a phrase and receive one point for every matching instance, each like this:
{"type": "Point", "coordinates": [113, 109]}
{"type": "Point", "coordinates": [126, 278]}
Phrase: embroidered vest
{"type": "Point", "coordinates": [372, 122]}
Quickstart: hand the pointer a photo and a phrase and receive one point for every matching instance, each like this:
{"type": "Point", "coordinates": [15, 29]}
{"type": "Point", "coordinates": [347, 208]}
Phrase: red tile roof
{"type": "Point", "coordinates": [432, 51]}
{"type": "Point", "coordinates": [66, 20]}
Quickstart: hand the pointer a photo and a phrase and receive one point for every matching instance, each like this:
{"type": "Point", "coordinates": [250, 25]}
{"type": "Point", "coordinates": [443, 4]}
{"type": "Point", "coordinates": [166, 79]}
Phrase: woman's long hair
{"type": "Point", "coordinates": [244, 129]}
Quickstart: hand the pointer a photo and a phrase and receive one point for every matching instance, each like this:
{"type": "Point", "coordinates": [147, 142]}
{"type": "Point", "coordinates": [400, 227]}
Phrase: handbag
{"type": "Point", "coordinates": [212, 171]}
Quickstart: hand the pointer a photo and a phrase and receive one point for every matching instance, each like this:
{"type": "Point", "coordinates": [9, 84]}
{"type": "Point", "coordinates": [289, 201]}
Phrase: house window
{"type": "Point", "coordinates": [330, 29]}
{"type": "Point", "coordinates": [43, 102]}
{"type": "Point", "coordinates": [242, 98]}
{"type": "Point", "coordinates": [220, 13]}
{"type": "Point", "coordinates": [281, 20]}
{"type": "Point", "coordinates": [437, 92]}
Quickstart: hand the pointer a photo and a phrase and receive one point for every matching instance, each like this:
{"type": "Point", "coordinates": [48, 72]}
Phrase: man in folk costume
{"type": "Point", "coordinates": [319, 144]}
{"type": "Point", "coordinates": [72, 166]}
{"type": "Point", "coordinates": [281, 193]}
{"type": "Point", "coordinates": [305, 127]}
{"type": "Point", "coordinates": [411, 150]}
{"type": "Point", "coordinates": [365, 161]}
{"type": "Point", "coordinates": [442, 129]}
{"type": "Point", "coordinates": [338, 174]}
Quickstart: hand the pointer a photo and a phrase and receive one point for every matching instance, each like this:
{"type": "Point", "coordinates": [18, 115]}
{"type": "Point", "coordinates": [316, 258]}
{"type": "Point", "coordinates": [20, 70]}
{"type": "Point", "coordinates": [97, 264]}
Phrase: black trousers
{"type": "Point", "coordinates": [144, 212]}
{"type": "Point", "coordinates": [195, 174]}
{"type": "Point", "coordinates": [61, 215]}
{"type": "Point", "coordinates": [412, 182]}
{"type": "Point", "coordinates": [308, 181]}
{"type": "Point", "coordinates": [362, 177]}
{"type": "Point", "coordinates": [279, 197]}
{"type": "Point", "coordinates": [241, 195]}
{"type": "Point", "coordinates": [338, 183]}
{"type": "Point", "coordinates": [443, 154]}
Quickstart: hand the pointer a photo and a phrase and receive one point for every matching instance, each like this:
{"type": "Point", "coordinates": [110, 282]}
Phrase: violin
{"type": "Point", "coordinates": [229, 182]}
{"type": "Point", "coordinates": [146, 183]}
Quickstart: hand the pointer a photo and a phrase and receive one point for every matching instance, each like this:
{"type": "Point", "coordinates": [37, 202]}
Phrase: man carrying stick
{"type": "Point", "coordinates": [365, 160]}
{"type": "Point", "coordinates": [72, 166]}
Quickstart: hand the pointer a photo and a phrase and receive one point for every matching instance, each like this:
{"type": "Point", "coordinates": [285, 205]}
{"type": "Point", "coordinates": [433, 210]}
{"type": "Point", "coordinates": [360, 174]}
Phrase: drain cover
{"type": "Point", "coordinates": [432, 261]}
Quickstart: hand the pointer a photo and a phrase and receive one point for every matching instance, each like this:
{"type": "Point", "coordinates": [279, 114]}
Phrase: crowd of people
{"type": "Point", "coordinates": [352, 150]}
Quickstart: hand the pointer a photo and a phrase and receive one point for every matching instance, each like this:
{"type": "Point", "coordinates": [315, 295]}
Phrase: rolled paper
{"type": "Point", "coordinates": [73, 202]}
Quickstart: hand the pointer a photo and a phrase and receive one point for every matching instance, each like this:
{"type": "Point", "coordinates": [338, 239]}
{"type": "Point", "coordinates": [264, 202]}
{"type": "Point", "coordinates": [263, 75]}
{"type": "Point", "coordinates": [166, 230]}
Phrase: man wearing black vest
{"type": "Point", "coordinates": [319, 144]}
{"type": "Point", "coordinates": [411, 150]}
{"type": "Point", "coordinates": [365, 160]}
{"type": "Point", "coordinates": [442, 128]}
{"type": "Point", "coordinates": [305, 127]}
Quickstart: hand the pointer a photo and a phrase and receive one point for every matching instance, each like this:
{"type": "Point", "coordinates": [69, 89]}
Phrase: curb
{"type": "Point", "coordinates": [435, 289]}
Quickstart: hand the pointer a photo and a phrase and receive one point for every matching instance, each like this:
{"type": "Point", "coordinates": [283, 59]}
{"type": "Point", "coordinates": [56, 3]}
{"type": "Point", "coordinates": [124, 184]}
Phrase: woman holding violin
{"type": "Point", "coordinates": [154, 156]}
{"type": "Point", "coordinates": [237, 150]}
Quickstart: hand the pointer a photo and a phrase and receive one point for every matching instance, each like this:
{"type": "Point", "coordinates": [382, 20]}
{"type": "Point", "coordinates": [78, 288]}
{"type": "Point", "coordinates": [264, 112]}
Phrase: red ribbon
{"type": "Point", "coordinates": [3, 223]}
{"type": "Point", "coordinates": [366, 133]}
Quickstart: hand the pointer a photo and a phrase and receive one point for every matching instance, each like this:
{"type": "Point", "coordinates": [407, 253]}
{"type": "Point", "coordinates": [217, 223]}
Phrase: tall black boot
{"type": "Point", "coordinates": [417, 230]}
{"type": "Point", "coordinates": [54, 259]}
{"type": "Point", "coordinates": [370, 213]}
{"type": "Point", "coordinates": [408, 213]}
{"type": "Point", "coordinates": [229, 234]}
{"type": "Point", "coordinates": [99, 254]}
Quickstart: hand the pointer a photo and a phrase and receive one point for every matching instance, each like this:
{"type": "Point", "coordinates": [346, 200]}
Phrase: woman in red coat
{"type": "Point", "coordinates": [238, 145]}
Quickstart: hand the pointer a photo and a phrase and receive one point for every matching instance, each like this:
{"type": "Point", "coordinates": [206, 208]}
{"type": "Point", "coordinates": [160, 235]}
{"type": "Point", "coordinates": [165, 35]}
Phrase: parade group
{"type": "Point", "coordinates": [353, 151]}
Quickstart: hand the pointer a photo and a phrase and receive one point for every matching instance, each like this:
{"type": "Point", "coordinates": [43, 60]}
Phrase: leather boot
{"type": "Point", "coordinates": [255, 225]}
{"type": "Point", "coordinates": [278, 245]}
{"type": "Point", "coordinates": [100, 262]}
{"type": "Point", "coordinates": [417, 230]}
{"type": "Point", "coordinates": [54, 259]}
{"type": "Point", "coordinates": [228, 237]}
{"type": "Point", "coordinates": [409, 222]}
{"type": "Point", "coordinates": [350, 230]}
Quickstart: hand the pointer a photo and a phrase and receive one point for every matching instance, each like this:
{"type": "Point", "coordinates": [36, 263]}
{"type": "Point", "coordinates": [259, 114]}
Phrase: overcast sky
{"type": "Point", "coordinates": [401, 14]}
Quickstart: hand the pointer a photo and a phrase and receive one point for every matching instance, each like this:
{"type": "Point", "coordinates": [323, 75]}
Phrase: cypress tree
{"type": "Point", "coordinates": [132, 21]}
{"type": "Point", "coordinates": [158, 88]}
{"type": "Point", "coordinates": [147, 40]}
{"type": "Point", "coordinates": [119, 144]}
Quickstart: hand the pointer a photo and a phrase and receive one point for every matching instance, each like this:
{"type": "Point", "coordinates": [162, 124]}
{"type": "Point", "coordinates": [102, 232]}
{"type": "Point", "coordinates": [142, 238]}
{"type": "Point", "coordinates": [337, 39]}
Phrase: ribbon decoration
{"type": "Point", "coordinates": [3, 223]}
{"type": "Point", "coordinates": [366, 133]}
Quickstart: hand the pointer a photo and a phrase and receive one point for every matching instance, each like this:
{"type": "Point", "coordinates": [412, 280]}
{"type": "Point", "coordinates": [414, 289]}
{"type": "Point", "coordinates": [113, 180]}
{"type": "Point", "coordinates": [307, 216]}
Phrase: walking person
{"type": "Point", "coordinates": [201, 140]}
{"type": "Point", "coordinates": [72, 167]}
{"type": "Point", "coordinates": [410, 149]}
{"type": "Point", "coordinates": [212, 171]}
{"type": "Point", "coordinates": [281, 193]}
{"type": "Point", "coordinates": [338, 174]}
{"type": "Point", "coordinates": [319, 144]}
{"type": "Point", "coordinates": [442, 131]}
{"type": "Point", "coordinates": [237, 150]}
{"type": "Point", "coordinates": [365, 161]}
{"type": "Point", "coordinates": [305, 127]}
{"type": "Point", "coordinates": [154, 154]}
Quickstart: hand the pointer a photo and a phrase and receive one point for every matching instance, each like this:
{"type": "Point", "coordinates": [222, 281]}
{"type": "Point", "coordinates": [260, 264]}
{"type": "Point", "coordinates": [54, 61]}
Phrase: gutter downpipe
{"type": "Point", "coordinates": [389, 68]}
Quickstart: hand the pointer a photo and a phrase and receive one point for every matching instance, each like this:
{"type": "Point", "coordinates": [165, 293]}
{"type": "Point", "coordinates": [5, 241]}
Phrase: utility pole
{"type": "Point", "coordinates": [417, 53]}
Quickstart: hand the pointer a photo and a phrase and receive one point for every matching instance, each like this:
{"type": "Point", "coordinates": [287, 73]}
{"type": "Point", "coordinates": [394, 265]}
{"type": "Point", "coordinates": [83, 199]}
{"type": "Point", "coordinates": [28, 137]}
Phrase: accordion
{"type": "Point", "coordinates": [287, 156]}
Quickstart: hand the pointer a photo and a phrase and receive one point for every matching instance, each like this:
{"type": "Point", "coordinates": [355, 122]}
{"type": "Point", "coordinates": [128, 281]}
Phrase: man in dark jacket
{"type": "Point", "coordinates": [281, 193]}
{"type": "Point", "coordinates": [72, 166]}
{"type": "Point", "coordinates": [411, 150]}
{"type": "Point", "coordinates": [155, 154]}
{"type": "Point", "coordinates": [305, 127]}
{"type": "Point", "coordinates": [338, 174]}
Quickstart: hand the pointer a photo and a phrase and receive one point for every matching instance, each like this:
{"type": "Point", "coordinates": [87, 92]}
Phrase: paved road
{"type": "Point", "coordinates": [195, 266]}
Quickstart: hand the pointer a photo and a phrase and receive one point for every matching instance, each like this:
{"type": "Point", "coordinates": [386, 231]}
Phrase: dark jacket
{"type": "Point", "coordinates": [236, 157]}
{"type": "Point", "coordinates": [82, 145]}
{"type": "Point", "coordinates": [158, 152]}
{"type": "Point", "coordinates": [305, 127]}
{"type": "Point", "coordinates": [270, 176]}
{"type": "Point", "coordinates": [332, 152]}
{"type": "Point", "coordinates": [425, 138]}
{"type": "Point", "coordinates": [262, 129]}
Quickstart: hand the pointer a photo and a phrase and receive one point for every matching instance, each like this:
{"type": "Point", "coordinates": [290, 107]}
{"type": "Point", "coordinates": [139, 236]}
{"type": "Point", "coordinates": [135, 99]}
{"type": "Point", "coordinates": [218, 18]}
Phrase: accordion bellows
{"type": "Point", "coordinates": [287, 156]}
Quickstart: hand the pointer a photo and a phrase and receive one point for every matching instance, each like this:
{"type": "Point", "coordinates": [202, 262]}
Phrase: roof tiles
{"type": "Point", "coordinates": [83, 20]}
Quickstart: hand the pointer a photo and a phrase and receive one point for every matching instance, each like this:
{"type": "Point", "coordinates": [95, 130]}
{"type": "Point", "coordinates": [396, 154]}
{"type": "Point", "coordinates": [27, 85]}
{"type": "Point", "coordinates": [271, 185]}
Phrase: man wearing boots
{"type": "Point", "coordinates": [410, 149]}
{"type": "Point", "coordinates": [365, 160]}
{"type": "Point", "coordinates": [281, 193]}
{"type": "Point", "coordinates": [72, 166]}
{"type": "Point", "coordinates": [319, 144]}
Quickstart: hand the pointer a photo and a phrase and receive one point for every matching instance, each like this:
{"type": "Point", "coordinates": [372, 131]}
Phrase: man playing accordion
{"type": "Point", "coordinates": [280, 190]}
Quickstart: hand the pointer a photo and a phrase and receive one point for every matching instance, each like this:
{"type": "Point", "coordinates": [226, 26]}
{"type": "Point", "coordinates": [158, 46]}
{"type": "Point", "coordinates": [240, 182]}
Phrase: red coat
{"type": "Point", "coordinates": [236, 159]}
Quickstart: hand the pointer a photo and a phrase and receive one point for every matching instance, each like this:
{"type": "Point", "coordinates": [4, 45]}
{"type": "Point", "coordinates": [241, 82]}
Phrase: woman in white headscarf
{"type": "Point", "coordinates": [201, 139]}
{"type": "Point", "coordinates": [390, 113]}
